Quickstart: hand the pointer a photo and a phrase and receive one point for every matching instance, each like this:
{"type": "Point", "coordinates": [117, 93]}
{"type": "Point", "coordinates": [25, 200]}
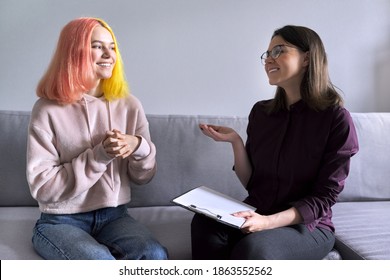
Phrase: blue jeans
{"type": "Point", "coordinates": [104, 234]}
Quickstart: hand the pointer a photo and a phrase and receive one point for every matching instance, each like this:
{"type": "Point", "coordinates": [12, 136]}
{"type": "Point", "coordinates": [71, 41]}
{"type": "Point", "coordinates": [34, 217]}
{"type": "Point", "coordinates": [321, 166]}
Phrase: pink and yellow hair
{"type": "Point", "coordinates": [70, 72]}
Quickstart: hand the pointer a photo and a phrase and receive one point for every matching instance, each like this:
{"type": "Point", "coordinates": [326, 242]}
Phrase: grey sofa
{"type": "Point", "coordinates": [187, 159]}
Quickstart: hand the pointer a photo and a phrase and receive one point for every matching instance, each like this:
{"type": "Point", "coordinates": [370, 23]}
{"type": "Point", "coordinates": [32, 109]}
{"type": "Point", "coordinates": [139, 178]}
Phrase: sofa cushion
{"type": "Point", "coordinates": [184, 160]}
{"type": "Point", "coordinates": [370, 169]}
{"type": "Point", "coordinates": [362, 229]}
{"type": "Point", "coordinates": [171, 225]}
{"type": "Point", "coordinates": [13, 183]}
{"type": "Point", "coordinates": [187, 159]}
{"type": "Point", "coordinates": [184, 167]}
{"type": "Point", "coordinates": [16, 228]}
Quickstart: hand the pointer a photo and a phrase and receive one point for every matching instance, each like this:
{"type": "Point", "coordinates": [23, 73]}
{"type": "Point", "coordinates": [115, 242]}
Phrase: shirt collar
{"type": "Point", "coordinates": [298, 106]}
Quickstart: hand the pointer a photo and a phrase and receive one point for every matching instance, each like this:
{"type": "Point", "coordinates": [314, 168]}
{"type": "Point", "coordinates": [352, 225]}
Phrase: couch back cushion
{"type": "Point", "coordinates": [187, 159]}
{"type": "Point", "coordinates": [369, 177]}
{"type": "Point", "coordinates": [14, 189]}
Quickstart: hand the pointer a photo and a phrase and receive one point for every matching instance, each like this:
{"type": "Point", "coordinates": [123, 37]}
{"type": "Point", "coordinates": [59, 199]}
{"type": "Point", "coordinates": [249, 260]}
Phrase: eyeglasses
{"type": "Point", "coordinates": [274, 53]}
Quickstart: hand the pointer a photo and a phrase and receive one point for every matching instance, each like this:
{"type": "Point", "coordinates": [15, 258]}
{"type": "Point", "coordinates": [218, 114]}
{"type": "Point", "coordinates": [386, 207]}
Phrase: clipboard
{"type": "Point", "coordinates": [213, 204]}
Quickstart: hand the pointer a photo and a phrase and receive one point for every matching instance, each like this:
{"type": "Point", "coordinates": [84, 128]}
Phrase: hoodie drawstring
{"type": "Point", "coordinates": [110, 128]}
{"type": "Point", "coordinates": [88, 121]}
{"type": "Point", "coordinates": [110, 167]}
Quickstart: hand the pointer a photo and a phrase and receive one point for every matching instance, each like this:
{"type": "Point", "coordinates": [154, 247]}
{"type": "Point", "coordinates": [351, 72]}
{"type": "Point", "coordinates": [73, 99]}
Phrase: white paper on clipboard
{"type": "Point", "coordinates": [213, 204]}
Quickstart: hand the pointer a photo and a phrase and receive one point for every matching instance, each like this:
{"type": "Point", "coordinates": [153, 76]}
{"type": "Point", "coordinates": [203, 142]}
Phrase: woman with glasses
{"type": "Point", "coordinates": [293, 164]}
{"type": "Point", "coordinates": [88, 142]}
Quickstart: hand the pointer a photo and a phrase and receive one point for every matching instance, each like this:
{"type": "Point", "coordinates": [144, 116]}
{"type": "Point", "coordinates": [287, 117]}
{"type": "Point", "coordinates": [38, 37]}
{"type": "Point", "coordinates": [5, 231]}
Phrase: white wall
{"type": "Point", "coordinates": [202, 56]}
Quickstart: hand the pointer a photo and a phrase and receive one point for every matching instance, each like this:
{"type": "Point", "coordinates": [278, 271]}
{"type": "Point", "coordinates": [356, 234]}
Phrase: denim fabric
{"type": "Point", "coordinates": [104, 234]}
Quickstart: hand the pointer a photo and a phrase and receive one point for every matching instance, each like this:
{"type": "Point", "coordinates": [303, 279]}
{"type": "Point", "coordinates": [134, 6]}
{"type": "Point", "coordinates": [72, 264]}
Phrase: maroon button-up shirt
{"type": "Point", "coordinates": [300, 157]}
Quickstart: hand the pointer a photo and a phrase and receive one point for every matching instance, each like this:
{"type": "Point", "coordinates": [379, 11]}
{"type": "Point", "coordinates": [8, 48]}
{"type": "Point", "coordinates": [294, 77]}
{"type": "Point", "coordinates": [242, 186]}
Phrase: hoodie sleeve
{"type": "Point", "coordinates": [51, 180]}
{"type": "Point", "coordinates": [142, 163]}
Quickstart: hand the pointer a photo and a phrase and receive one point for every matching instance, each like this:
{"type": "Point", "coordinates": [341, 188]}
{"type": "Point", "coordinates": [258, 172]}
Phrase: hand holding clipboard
{"type": "Point", "coordinates": [214, 205]}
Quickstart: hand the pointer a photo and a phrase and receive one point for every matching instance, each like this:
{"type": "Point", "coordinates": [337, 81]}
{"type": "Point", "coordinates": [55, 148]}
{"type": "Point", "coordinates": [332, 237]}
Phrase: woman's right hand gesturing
{"type": "Point", "coordinates": [220, 133]}
{"type": "Point", "coordinates": [242, 165]}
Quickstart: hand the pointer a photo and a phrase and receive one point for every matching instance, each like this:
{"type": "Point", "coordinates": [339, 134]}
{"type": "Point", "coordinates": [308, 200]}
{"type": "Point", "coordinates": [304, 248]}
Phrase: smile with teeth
{"type": "Point", "coordinates": [273, 70]}
{"type": "Point", "coordinates": [104, 64]}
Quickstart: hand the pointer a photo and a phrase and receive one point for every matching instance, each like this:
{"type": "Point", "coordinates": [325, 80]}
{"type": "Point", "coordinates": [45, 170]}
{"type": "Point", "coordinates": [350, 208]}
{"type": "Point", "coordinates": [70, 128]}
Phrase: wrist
{"type": "Point", "coordinates": [142, 150]}
{"type": "Point", "coordinates": [138, 142]}
{"type": "Point", "coordinates": [237, 141]}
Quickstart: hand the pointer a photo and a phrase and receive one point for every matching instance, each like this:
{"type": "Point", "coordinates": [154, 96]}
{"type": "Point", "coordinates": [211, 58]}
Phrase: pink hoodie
{"type": "Point", "coordinates": [68, 169]}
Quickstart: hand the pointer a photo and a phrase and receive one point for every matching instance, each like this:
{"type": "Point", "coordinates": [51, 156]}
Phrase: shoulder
{"type": "Point", "coordinates": [260, 107]}
{"type": "Point", "coordinates": [340, 116]}
{"type": "Point", "coordinates": [343, 131]}
{"type": "Point", "coordinates": [128, 102]}
{"type": "Point", "coordinates": [342, 128]}
{"type": "Point", "coordinates": [132, 99]}
{"type": "Point", "coordinates": [44, 116]}
{"type": "Point", "coordinates": [43, 107]}
{"type": "Point", "coordinates": [43, 103]}
{"type": "Point", "coordinates": [129, 107]}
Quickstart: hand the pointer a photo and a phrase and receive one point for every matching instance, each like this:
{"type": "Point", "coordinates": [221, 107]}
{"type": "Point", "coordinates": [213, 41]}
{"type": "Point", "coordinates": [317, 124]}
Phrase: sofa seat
{"type": "Point", "coordinates": [363, 229]}
{"type": "Point", "coordinates": [169, 224]}
{"type": "Point", "coordinates": [16, 228]}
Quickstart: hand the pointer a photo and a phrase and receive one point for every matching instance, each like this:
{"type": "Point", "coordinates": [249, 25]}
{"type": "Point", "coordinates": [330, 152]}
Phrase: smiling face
{"type": "Point", "coordinates": [103, 53]}
{"type": "Point", "coordinates": [288, 69]}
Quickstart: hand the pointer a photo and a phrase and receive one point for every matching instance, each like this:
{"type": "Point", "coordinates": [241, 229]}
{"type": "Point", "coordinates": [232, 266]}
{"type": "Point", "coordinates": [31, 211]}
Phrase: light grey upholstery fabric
{"type": "Point", "coordinates": [187, 159]}
{"type": "Point", "coordinates": [13, 183]}
{"type": "Point", "coordinates": [363, 229]}
{"type": "Point", "coordinates": [369, 177]}
{"type": "Point", "coordinates": [171, 225]}
{"type": "Point", "coordinates": [16, 231]}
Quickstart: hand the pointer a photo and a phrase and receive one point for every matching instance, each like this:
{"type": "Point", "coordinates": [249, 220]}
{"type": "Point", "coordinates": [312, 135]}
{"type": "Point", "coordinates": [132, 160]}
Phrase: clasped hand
{"type": "Point", "coordinates": [117, 144]}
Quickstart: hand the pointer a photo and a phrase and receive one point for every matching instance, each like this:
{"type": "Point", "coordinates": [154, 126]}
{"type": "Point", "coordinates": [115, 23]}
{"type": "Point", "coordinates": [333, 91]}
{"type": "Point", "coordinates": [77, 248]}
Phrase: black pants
{"type": "Point", "coordinates": [215, 241]}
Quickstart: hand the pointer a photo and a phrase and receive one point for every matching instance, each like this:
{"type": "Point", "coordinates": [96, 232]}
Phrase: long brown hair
{"type": "Point", "coordinates": [317, 90]}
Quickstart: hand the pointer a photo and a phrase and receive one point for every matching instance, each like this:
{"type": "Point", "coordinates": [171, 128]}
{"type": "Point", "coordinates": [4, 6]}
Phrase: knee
{"type": "Point", "coordinates": [152, 250]}
{"type": "Point", "coordinates": [156, 252]}
{"type": "Point", "coordinates": [246, 249]}
{"type": "Point", "coordinates": [196, 222]}
{"type": "Point", "coordinates": [200, 225]}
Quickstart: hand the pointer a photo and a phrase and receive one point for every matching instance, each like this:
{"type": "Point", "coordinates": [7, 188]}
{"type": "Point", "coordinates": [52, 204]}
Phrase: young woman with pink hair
{"type": "Point", "coordinates": [88, 141]}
